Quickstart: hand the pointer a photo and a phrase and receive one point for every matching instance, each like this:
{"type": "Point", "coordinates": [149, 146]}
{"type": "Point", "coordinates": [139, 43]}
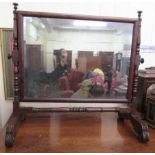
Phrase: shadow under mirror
{"type": "Point", "coordinates": [69, 58]}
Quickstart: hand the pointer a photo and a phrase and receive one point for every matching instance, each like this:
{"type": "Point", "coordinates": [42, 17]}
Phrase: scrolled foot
{"type": "Point", "coordinates": [9, 139]}
{"type": "Point", "coordinates": [141, 128]}
{"type": "Point", "coordinates": [11, 131]}
{"type": "Point", "coordinates": [144, 137]}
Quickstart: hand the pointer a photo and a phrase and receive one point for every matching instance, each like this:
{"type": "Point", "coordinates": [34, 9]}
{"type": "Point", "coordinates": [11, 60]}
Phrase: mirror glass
{"type": "Point", "coordinates": [69, 58]}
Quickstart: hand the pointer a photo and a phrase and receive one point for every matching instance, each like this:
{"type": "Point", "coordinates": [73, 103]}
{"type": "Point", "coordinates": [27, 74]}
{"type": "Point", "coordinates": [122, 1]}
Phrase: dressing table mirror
{"type": "Point", "coordinates": [62, 58]}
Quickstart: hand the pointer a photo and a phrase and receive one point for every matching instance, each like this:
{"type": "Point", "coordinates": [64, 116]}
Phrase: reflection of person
{"type": "Point", "coordinates": [109, 77]}
{"type": "Point", "coordinates": [63, 57]}
{"type": "Point", "coordinates": [62, 66]}
{"type": "Point", "coordinates": [118, 61]}
{"type": "Point", "coordinates": [92, 85]}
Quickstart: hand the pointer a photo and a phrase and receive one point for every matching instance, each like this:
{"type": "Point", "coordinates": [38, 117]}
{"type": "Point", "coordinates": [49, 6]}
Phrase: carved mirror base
{"type": "Point", "coordinates": [11, 131]}
{"type": "Point", "coordinates": [140, 127]}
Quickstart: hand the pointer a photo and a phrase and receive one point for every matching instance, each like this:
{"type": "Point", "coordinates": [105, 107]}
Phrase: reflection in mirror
{"type": "Point", "coordinates": [68, 58]}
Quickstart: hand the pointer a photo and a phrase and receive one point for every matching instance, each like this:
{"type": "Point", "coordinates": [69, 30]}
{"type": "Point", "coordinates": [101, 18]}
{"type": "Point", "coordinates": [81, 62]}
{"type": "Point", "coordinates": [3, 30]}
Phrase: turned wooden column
{"type": "Point", "coordinates": [16, 63]}
{"type": "Point", "coordinates": [137, 56]}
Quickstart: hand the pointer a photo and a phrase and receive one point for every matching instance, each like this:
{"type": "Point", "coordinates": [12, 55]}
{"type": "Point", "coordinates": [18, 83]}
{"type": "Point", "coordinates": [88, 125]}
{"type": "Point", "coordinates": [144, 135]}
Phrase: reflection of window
{"type": "Point", "coordinates": [32, 31]}
{"type": "Point", "coordinates": [119, 56]}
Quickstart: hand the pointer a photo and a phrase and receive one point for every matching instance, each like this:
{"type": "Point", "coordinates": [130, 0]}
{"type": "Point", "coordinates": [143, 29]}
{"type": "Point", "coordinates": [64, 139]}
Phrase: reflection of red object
{"type": "Point", "coordinates": [98, 79]}
{"type": "Point", "coordinates": [72, 81]}
{"type": "Point", "coordinates": [11, 45]}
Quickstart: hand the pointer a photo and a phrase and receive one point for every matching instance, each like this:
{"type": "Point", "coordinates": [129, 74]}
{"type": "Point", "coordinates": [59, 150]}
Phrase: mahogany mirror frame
{"type": "Point", "coordinates": [125, 111]}
{"type": "Point", "coordinates": [132, 68]}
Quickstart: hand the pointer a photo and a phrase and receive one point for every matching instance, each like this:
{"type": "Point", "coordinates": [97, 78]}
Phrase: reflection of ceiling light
{"type": "Point", "coordinates": [90, 23]}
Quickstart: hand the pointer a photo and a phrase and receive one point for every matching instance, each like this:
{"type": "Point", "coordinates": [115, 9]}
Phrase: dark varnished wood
{"type": "Point", "coordinates": [137, 57]}
{"type": "Point", "coordinates": [19, 113]}
{"type": "Point", "coordinates": [132, 75]}
{"type": "Point", "coordinates": [70, 100]}
{"type": "Point", "coordinates": [75, 16]}
{"type": "Point", "coordinates": [76, 109]}
{"type": "Point", "coordinates": [13, 124]}
{"type": "Point", "coordinates": [76, 132]}
{"type": "Point", "coordinates": [15, 57]}
{"type": "Point", "coordinates": [11, 131]}
{"type": "Point", "coordinates": [150, 104]}
{"type": "Point", "coordinates": [143, 84]}
{"type": "Point", "coordinates": [140, 127]}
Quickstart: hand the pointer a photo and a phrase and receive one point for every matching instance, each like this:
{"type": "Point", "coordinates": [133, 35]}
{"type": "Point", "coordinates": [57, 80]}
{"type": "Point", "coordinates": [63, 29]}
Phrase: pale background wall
{"type": "Point", "coordinates": [71, 39]}
{"type": "Point", "coordinates": [97, 7]}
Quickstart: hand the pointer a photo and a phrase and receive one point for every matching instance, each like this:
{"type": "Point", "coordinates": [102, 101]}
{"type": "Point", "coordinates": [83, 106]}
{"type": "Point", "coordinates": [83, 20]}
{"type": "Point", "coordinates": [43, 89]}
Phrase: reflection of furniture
{"type": "Point", "coordinates": [82, 60]}
{"type": "Point", "coordinates": [145, 79]}
{"type": "Point", "coordinates": [86, 64]}
{"type": "Point", "coordinates": [34, 57]}
{"type": "Point", "coordinates": [106, 59]}
{"type": "Point", "coordinates": [71, 81]}
{"type": "Point", "coordinates": [85, 53]}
